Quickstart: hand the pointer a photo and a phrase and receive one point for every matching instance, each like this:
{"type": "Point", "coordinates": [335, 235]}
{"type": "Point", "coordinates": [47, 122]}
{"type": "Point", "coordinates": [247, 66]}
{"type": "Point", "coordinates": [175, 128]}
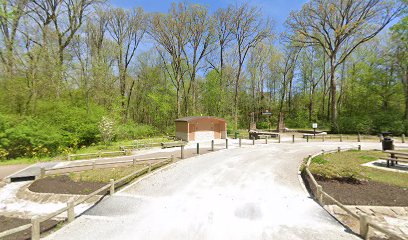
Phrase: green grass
{"type": "Point", "coordinates": [91, 149]}
{"type": "Point", "coordinates": [346, 138]}
{"type": "Point", "coordinates": [347, 165]}
{"type": "Point", "coordinates": [18, 161]}
{"type": "Point", "coordinates": [103, 175]}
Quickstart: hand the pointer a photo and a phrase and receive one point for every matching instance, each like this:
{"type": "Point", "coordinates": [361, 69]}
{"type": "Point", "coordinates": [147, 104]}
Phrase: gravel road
{"type": "Point", "coordinates": [243, 193]}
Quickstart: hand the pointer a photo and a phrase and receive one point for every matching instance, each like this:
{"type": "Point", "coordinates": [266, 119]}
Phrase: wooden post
{"type": "Point", "coordinates": [339, 149]}
{"type": "Point", "coordinates": [323, 152]}
{"type": "Point", "coordinates": [279, 138]}
{"type": "Point", "coordinates": [320, 194]}
{"type": "Point", "coordinates": [226, 143]}
{"type": "Point", "coordinates": [198, 148]}
{"type": "Point", "coordinates": [42, 172]}
{"type": "Point", "coordinates": [150, 168]}
{"type": "Point", "coordinates": [364, 226]}
{"type": "Point", "coordinates": [182, 152]}
{"type": "Point", "coordinates": [307, 138]}
{"type": "Point", "coordinates": [134, 162]}
{"type": "Point", "coordinates": [69, 157]}
{"type": "Point", "coordinates": [323, 137]}
{"type": "Point", "coordinates": [112, 187]}
{"type": "Point", "coordinates": [266, 140]}
{"type": "Point", "coordinates": [403, 138]}
{"type": "Point", "coordinates": [240, 142]}
{"type": "Point", "coordinates": [212, 145]}
{"type": "Point", "coordinates": [253, 140]}
{"type": "Point", "coordinates": [35, 228]}
{"type": "Point", "coordinates": [293, 138]}
{"type": "Point", "coordinates": [341, 137]}
{"type": "Point", "coordinates": [99, 154]}
{"type": "Point", "coordinates": [173, 159]}
{"type": "Point", "coordinates": [71, 211]}
{"type": "Point", "coordinates": [359, 147]}
{"type": "Point", "coordinates": [359, 138]}
{"type": "Point", "coordinates": [93, 164]}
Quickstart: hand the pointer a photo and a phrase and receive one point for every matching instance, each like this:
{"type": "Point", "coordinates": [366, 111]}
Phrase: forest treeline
{"type": "Point", "coordinates": [68, 64]}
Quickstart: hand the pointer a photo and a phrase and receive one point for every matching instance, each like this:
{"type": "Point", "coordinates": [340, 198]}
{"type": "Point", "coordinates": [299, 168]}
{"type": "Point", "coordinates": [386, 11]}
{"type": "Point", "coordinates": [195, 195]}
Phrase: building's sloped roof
{"type": "Point", "coordinates": [189, 119]}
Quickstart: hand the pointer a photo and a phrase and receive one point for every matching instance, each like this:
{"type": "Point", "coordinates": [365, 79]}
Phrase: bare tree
{"type": "Point", "coordinates": [11, 12]}
{"type": "Point", "coordinates": [199, 44]}
{"type": "Point", "coordinates": [66, 17]}
{"type": "Point", "coordinates": [223, 21]}
{"type": "Point", "coordinates": [248, 29]}
{"type": "Point", "coordinates": [170, 33]}
{"type": "Point", "coordinates": [339, 27]}
{"type": "Point", "coordinates": [127, 28]}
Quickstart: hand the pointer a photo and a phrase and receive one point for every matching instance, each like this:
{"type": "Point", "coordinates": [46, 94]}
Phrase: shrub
{"type": "Point", "coordinates": [133, 131]}
{"type": "Point", "coordinates": [262, 125]}
{"type": "Point", "coordinates": [106, 130]}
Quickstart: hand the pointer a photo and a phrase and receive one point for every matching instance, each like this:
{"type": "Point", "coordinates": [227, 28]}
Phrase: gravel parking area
{"type": "Point", "coordinates": [248, 193]}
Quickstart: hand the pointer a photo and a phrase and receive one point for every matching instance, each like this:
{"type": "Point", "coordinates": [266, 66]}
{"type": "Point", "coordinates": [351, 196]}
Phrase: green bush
{"type": "Point", "coordinates": [54, 129]}
{"type": "Point", "coordinates": [133, 131]}
{"type": "Point", "coordinates": [262, 125]}
{"type": "Point", "coordinates": [363, 125]}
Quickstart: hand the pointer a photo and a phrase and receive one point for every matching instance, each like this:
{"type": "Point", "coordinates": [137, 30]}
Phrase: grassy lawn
{"type": "Point", "coordinates": [91, 149]}
{"type": "Point", "coordinates": [347, 165]}
{"type": "Point", "coordinates": [103, 175]}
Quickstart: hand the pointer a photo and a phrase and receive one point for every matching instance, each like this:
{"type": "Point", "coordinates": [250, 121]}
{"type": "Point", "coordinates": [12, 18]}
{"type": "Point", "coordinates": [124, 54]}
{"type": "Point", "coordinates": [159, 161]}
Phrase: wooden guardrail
{"type": "Point", "coordinates": [94, 164]}
{"type": "Point", "coordinates": [173, 144]}
{"type": "Point", "coordinates": [365, 221]}
{"type": "Point", "coordinates": [138, 146]}
{"type": "Point", "coordinates": [108, 188]}
{"type": "Point", "coordinates": [97, 154]}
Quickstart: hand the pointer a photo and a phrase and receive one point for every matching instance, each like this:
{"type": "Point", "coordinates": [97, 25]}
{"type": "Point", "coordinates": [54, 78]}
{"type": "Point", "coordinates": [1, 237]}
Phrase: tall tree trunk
{"type": "Point", "coordinates": [405, 83]}
{"type": "Point", "coordinates": [333, 95]}
{"type": "Point", "coordinates": [236, 96]}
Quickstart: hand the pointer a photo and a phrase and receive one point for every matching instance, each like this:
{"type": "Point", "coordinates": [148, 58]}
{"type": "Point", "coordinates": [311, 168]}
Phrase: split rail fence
{"type": "Point", "coordinates": [70, 208]}
{"type": "Point", "coordinates": [364, 220]}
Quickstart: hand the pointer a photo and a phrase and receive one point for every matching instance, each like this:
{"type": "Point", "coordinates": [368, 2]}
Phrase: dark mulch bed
{"type": "Point", "coordinates": [7, 223]}
{"type": "Point", "coordinates": [63, 185]}
{"type": "Point", "coordinates": [364, 193]}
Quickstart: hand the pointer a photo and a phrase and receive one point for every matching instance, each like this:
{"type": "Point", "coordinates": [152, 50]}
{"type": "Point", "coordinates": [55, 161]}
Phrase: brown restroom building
{"type": "Point", "coordinates": [201, 128]}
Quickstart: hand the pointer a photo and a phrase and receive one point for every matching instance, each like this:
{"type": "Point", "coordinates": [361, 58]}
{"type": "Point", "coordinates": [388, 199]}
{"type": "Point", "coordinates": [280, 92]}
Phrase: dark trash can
{"type": "Point", "coordinates": [236, 135]}
{"type": "Point", "coordinates": [387, 144]}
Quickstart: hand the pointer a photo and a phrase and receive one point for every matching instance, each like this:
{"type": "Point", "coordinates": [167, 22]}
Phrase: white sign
{"type": "Point", "coordinates": [314, 125]}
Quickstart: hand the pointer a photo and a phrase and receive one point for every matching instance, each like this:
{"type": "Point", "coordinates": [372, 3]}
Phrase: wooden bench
{"type": "Point", "coordinates": [172, 144]}
{"type": "Point", "coordinates": [395, 157]}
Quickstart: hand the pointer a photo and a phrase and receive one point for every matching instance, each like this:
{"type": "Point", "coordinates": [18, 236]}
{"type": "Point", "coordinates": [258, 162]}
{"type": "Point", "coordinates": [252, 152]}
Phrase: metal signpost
{"type": "Point", "coordinates": [314, 129]}
{"type": "Point", "coordinates": [267, 113]}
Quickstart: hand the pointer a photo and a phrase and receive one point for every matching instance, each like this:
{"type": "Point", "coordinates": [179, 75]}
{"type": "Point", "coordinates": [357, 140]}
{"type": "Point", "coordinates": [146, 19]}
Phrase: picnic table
{"type": "Point", "coordinates": [262, 134]}
{"type": "Point", "coordinates": [311, 135]}
{"type": "Point", "coordinates": [395, 157]}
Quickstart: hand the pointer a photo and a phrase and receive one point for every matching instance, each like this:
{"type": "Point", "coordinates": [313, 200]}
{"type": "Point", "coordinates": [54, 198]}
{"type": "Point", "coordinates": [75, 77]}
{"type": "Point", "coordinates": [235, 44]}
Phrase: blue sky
{"type": "Point", "coordinates": [277, 10]}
